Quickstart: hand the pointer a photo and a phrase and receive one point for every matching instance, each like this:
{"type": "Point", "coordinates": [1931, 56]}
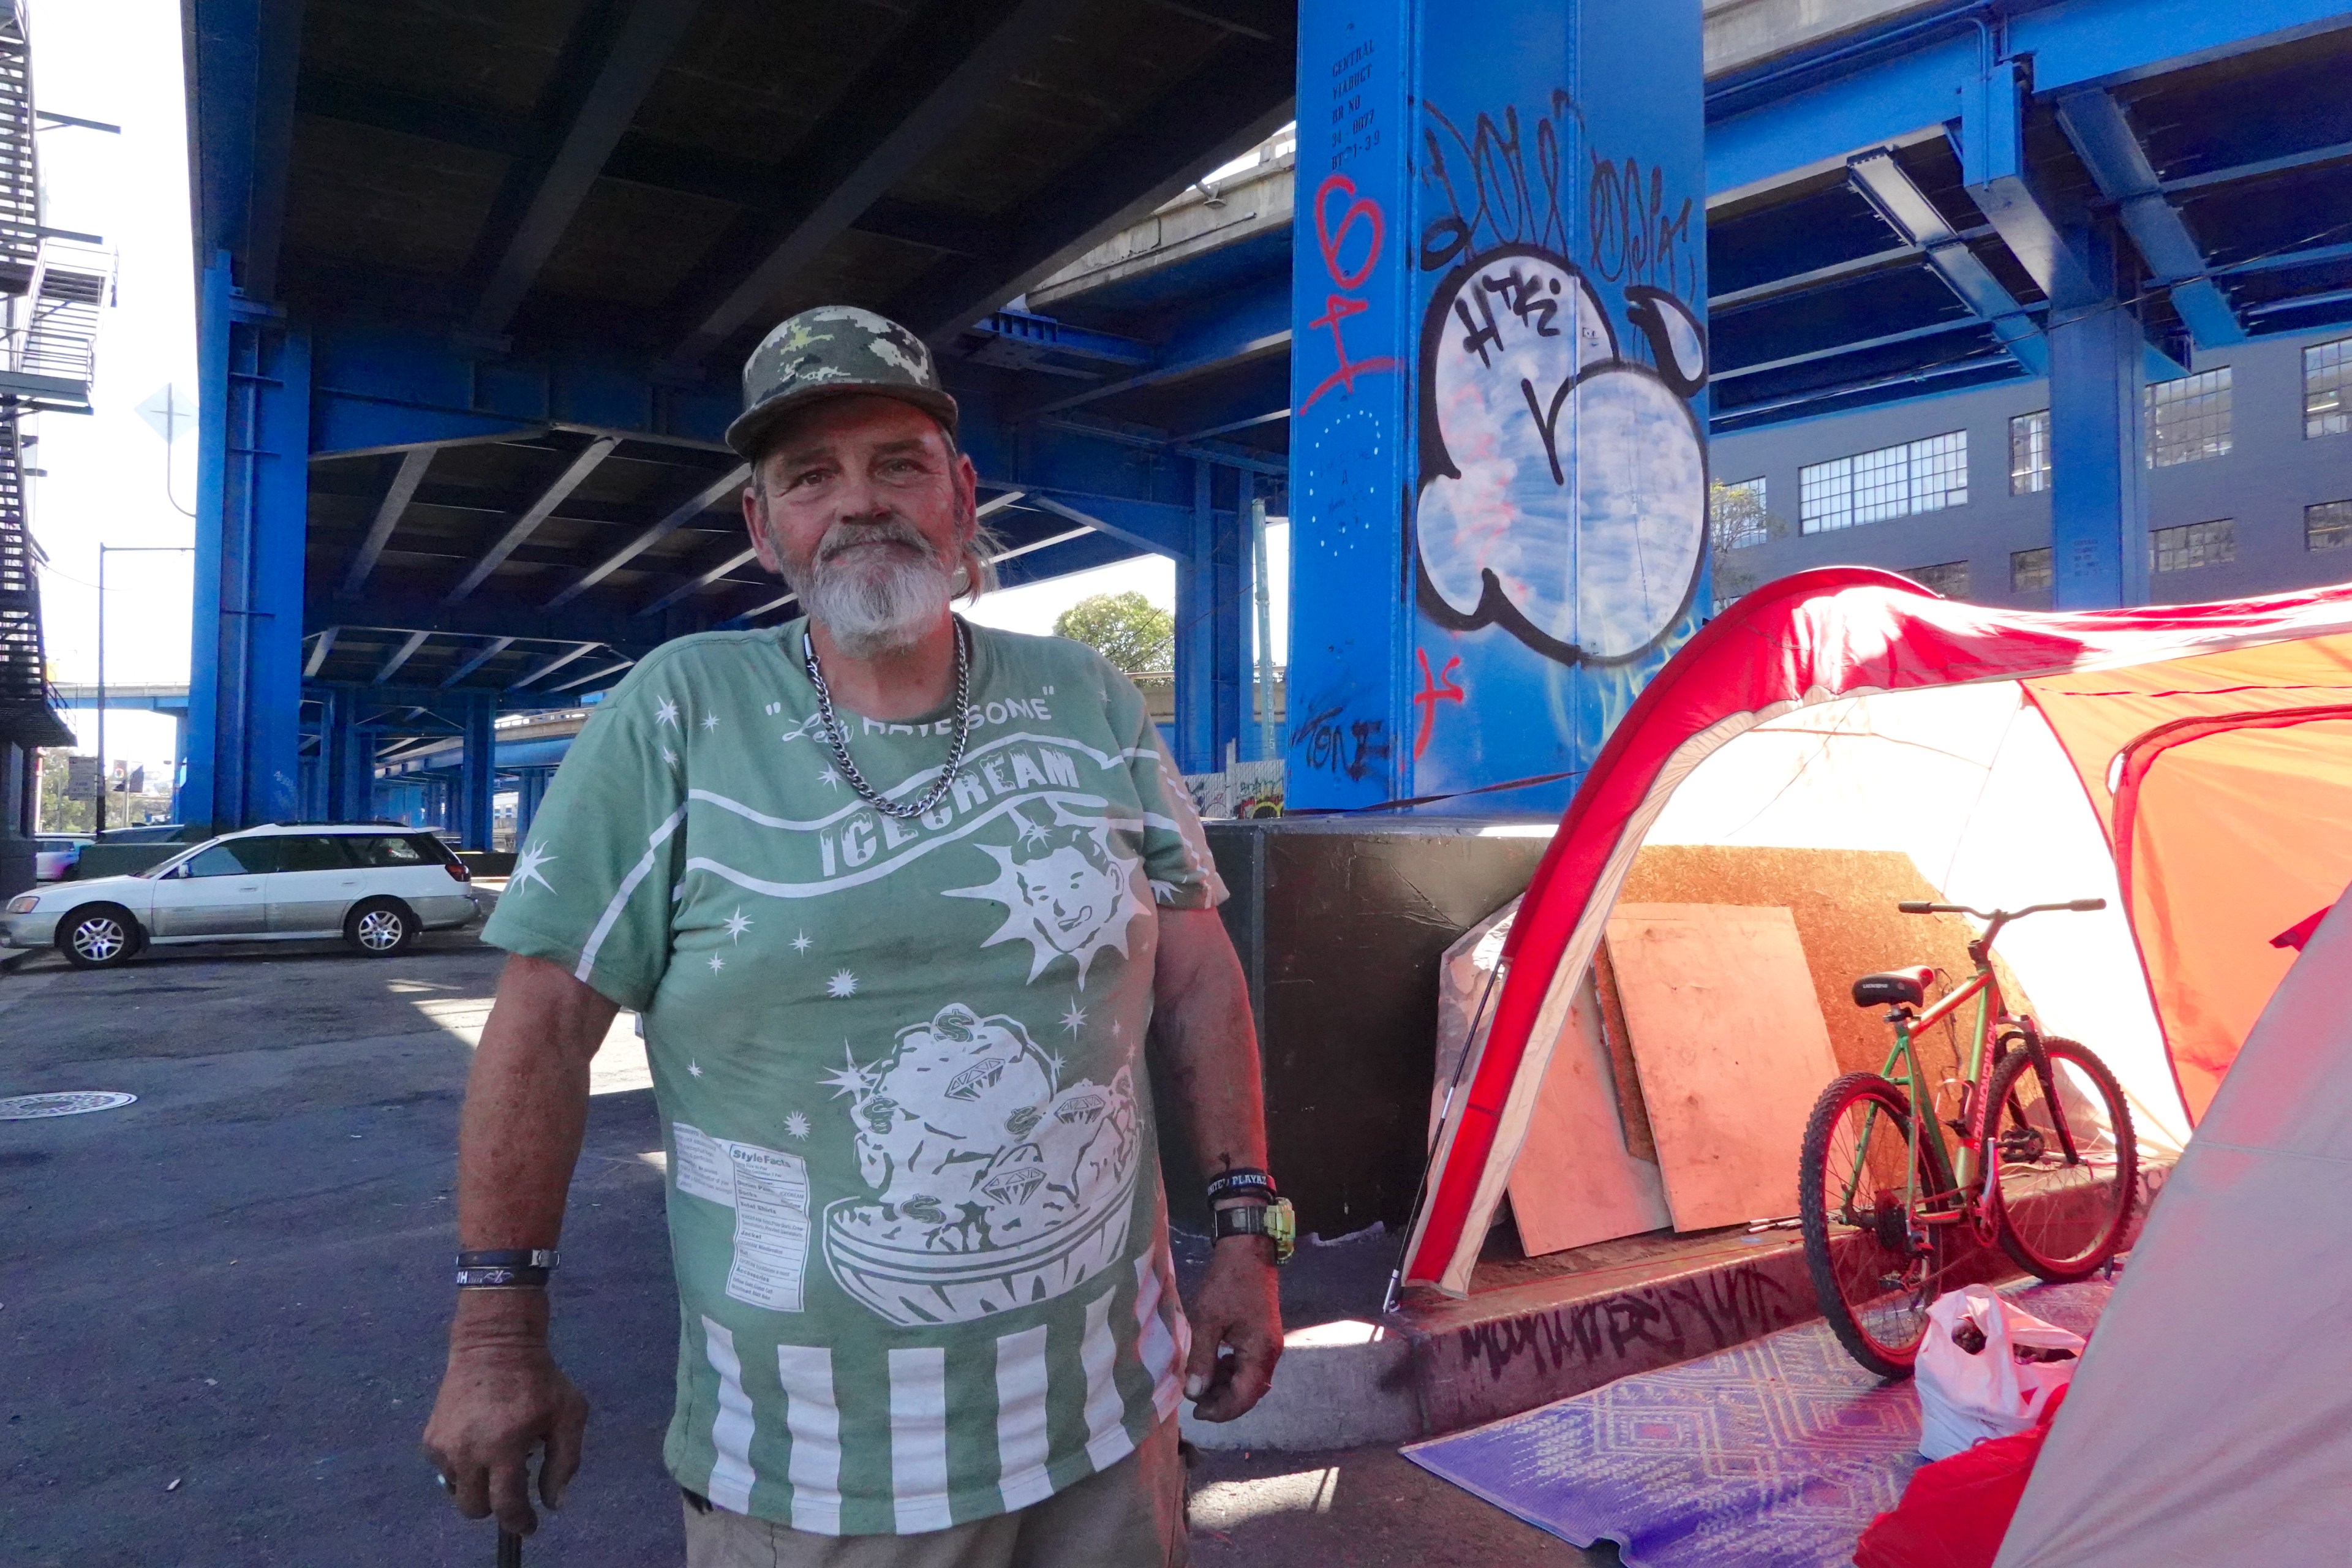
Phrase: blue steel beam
{"type": "Point", "coordinates": [524, 526]}
{"type": "Point", "coordinates": [396, 497]}
{"type": "Point", "coordinates": [2261, 168]}
{"type": "Point", "coordinates": [544, 193]}
{"type": "Point", "coordinates": [384, 387]}
{"type": "Point", "coordinates": [323, 645]}
{"type": "Point", "coordinates": [401, 655]}
{"type": "Point", "coordinates": [1221, 332]}
{"type": "Point", "coordinates": [1917, 221]}
{"type": "Point", "coordinates": [1237, 97]}
{"type": "Point", "coordinates": [2095, 124]}
{"type": "Point", "coordinates": [1767, 127]}
{"type": "Point", "coordinates": [1993, 168]}
{"type": "Point", "coordinates": [925, 85]}
{"type": "Point", "coordinates": [699, 581]}
{"type": "Point", "coordinates": [483, 656]}
{"type": "Point", "coordinates": [242, 58]}
{"type": "Point", "coordinates": [720, 489]}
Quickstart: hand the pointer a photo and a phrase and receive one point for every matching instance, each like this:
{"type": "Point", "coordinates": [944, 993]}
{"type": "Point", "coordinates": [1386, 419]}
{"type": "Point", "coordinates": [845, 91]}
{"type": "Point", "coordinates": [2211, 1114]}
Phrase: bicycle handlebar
{"type": "Point", "coordinates": [2072, 906]}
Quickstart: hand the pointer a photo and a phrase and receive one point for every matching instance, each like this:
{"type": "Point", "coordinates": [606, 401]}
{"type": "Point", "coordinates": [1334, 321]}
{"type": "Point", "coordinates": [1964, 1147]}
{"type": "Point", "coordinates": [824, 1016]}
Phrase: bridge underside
{"type": "Point", "coordinates": [474, 290]}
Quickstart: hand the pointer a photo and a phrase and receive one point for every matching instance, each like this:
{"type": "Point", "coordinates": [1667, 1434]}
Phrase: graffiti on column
{"type": "Point", "coordinates": [1562, 491]}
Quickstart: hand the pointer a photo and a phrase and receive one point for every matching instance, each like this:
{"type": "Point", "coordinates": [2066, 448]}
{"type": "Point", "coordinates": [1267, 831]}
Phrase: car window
{"type": "Point", "coordinates": [389, 851]}
{"type": "Point", "coordinates": [431, 848]}
{"type": "Point", "coordinates": [235, 858]}
{"type": "Point", "coordinates": [315, 852]}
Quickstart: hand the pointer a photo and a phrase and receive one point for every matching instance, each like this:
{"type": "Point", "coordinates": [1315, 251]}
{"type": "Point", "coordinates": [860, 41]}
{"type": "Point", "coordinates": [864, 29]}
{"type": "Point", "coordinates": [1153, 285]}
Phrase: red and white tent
{"type": "Point", "coordinates": [2193, 763]}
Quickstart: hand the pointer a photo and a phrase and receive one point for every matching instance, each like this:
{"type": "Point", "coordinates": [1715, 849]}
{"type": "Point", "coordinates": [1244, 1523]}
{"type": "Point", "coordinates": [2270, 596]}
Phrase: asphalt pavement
{"type": "Point", "coordinates": [222, 1308]}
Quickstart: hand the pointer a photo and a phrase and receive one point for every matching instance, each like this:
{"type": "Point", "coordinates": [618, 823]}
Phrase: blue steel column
{"type": "Point", "coordinates": [477, 776]}
{"type": "Point", "coordinates": [1498, 446]}
{"type": "Point", "coordinates": [252, 489]}
{"type": "Point", "coordinates": [350, 770]}
{"type": "Point", "coordinates": [530, 788]}
{"type": "Point", "coordinates": [1211, 657]}
{"type": "Point", "coordinates": [2099, 462]}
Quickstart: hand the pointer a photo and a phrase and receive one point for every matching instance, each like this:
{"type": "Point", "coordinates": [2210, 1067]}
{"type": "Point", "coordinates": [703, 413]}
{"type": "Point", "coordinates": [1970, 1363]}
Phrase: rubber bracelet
{"type": "Point", "coordinates": [509, 1257]}
{"type": "Point", "coordinates": [502, 1278]}
{"type": "Point", "coordinates": [1243, 1183]}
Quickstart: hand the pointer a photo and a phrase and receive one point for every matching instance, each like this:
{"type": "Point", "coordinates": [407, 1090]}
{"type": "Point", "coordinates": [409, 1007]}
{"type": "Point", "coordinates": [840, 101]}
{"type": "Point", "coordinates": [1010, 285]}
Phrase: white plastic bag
{"type": "Point", "coordinates": [1965, 1398]}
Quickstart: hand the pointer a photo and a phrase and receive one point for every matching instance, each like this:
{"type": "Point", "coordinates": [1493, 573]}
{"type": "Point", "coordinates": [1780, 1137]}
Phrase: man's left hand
{"type": "Point", "coordinates": [1236, 1318]}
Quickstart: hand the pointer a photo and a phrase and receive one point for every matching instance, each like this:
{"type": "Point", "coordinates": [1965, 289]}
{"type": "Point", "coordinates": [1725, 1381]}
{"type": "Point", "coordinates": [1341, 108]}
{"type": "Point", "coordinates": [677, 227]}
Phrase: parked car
{"type": "Point", "coordinates": [377, 885]}
{"type": "Point", "coordinates": [54, 857]}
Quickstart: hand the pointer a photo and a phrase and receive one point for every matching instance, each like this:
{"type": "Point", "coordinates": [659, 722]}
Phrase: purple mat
{"type": "Point", "coordinates": [1772, 1455]}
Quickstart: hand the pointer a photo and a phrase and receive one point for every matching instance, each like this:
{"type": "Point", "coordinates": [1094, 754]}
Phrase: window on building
{"type": "Point", "coordinates": [1737, 514]}
{"type": "Point", "coordinates": [2029, 570]}
{"type": "Point", "coordinates": [2328, 389]}
{"type": "Point", "coordinates": [2188, 418]}
{"type": "Point", "coordinates": [1950, 578]}
{"type": "Point", "coordinates": [2327, 526]}
{"type": "Point", "coordinates": [2192, 544]}
{"type": "Point", "coordinates": [2029, 453]}
{"type": "Point", "coordinates": [1892, 482]}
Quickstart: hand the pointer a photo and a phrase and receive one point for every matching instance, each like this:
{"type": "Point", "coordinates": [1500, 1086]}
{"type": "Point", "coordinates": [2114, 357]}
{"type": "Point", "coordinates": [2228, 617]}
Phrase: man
{"type": "Point", "coordinates": [896, 898]}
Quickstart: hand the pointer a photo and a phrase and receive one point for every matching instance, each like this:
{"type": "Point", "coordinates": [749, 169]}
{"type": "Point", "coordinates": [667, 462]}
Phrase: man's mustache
{"type": "Point", "coordinates": [845, 536]}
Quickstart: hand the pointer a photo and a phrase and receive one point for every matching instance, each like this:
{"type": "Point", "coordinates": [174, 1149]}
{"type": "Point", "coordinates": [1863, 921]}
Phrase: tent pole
{"type": "Point", "coordinates": [1445, 1114]}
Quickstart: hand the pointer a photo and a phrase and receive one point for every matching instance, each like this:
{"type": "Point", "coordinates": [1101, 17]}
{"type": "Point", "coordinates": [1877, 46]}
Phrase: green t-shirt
{"type": "Point", "coordinates": [914, 1192]}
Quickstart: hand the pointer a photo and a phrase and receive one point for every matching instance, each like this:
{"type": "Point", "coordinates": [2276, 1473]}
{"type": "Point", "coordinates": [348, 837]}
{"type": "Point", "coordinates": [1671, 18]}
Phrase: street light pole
{"type": "Point", "coordinates": [103, 552]}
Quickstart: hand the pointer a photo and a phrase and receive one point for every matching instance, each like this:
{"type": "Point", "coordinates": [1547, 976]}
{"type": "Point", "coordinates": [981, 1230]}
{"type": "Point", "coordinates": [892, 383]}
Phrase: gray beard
{"type": "Point", "coordinates": [876, 605]}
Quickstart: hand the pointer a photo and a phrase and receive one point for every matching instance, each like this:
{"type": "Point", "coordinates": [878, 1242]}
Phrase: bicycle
{"type": "Point", "coordinates": [1887, 1207]}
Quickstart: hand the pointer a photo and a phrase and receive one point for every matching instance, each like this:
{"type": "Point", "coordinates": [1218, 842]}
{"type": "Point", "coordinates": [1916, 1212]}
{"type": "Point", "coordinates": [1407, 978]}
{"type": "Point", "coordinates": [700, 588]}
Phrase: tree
{"type": "Point", "coordinates": [1128, 629]}
{"type": "Point", "coordinates": [59, 814]}
{"type": "Point", "coordinates": [1736, 521]}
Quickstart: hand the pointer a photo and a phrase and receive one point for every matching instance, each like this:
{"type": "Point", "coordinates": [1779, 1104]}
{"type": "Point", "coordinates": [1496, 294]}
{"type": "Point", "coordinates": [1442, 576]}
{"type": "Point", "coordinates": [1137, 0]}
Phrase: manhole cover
{"type": "Point", "coordinates": [73, 1102]}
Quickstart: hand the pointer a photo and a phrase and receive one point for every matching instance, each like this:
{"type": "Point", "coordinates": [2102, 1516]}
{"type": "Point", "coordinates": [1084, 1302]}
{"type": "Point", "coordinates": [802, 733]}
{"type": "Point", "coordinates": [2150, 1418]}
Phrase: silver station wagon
{"type": "Point", "coordinates": [377, 885]}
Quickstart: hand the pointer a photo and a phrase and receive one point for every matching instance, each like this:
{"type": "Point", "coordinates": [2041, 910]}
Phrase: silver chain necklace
{"type": "Point", "coordinates": [838, 742]}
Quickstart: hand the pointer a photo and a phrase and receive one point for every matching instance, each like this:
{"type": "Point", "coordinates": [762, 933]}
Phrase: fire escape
{"type": "Point", "coordinates": [53, 287]}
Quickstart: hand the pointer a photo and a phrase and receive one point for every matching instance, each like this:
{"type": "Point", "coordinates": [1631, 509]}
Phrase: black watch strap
{"type": "Point", "coordinates": [1242, 1182]}
{"type": "Point", "coordinates": [1242, 1219]}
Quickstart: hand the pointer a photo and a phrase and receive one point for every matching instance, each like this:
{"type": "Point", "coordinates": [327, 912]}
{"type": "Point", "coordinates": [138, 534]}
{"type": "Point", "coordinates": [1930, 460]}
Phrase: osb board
{"type": "Point", "coordinates": [1843, 901]}
{"type": "Point", "coordinates": [1575, 1182]}
{"type": "Point", "coordinates": [1731, 1050]}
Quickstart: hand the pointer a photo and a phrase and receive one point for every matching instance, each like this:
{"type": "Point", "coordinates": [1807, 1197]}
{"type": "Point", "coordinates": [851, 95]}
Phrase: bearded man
{"type": "Point", "coordinates": [928, 1310]}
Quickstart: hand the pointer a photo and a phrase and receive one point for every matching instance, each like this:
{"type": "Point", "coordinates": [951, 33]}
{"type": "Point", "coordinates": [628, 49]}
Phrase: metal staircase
{"type": "Point", "coordinates": [53, 296]}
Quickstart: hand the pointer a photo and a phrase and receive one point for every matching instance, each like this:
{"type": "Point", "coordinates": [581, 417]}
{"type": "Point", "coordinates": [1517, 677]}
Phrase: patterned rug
{"type": "Point", "coordinates": [1774, 1455]}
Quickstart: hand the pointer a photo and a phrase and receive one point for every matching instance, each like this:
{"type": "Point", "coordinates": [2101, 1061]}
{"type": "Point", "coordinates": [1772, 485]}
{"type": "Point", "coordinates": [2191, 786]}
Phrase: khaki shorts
{"type": "Point", "coordinates": [1130, 1516]}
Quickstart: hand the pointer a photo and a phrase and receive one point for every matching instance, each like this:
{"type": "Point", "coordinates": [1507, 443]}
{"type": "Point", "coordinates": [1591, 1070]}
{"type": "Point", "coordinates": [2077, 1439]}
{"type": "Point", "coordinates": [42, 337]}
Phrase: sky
{"type": "Point", "coordinates": [110, 478]}
{"type": "Point", "coordinates": [104, 473]}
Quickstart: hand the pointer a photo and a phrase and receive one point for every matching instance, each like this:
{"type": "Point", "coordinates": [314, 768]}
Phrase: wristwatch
{"type": "Point", "coordinates": [1275, 1221]}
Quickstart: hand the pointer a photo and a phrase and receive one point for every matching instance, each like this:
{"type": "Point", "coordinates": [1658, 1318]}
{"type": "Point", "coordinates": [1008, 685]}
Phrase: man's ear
{"type": "Point", "coordinates": [755, 523]}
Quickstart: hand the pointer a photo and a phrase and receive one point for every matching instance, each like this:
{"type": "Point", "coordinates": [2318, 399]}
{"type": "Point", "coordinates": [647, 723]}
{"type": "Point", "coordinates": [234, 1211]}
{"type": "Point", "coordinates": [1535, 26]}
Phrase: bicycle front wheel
{"type": "Point", "coordinates": [1875, 1266]}
{"type": "Point", "coordinates": [2062, 1214]}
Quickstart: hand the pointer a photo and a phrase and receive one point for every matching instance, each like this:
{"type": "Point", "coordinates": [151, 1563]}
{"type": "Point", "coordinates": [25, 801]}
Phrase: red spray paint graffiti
{"type": "Point", "coordinates": [1434, 690]}
{"type": "Point", "coordinates": [1337, 307]}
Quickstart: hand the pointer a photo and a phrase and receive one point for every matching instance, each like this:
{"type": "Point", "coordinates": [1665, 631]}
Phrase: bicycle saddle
{"type": "Point", "coordinates": [1894, 985]}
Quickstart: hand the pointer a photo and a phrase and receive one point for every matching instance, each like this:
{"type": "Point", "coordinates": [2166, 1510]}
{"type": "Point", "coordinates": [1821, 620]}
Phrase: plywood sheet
{"type": "Point", "coordinates": [1844, 902]}
{"type": "Point", "coordinates": [1575, 1182]}
{"type": "Point", "coordinates": [1731, 1049]}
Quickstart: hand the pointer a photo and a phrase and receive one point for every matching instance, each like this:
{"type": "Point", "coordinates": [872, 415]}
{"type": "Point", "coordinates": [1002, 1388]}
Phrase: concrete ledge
{"type": "Point", "coordinates": [1340, 1386]}
{"type": "Point", "coordinates": [1438, 1365]}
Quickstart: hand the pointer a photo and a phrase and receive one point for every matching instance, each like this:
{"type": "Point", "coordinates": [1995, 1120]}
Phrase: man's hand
{"type": "Point", "coordinates": [501, 1397]}
{"type": "Point", "coordinates": [1238, 1308]}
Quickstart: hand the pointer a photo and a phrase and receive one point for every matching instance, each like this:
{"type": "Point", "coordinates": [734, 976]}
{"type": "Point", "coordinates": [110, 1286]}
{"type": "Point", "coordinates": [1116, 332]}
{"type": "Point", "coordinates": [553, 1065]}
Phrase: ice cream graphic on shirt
{"type": "Point", "coordinates": [994, 1184]}
{"type": "Point", "coordinates": [1067, 890]}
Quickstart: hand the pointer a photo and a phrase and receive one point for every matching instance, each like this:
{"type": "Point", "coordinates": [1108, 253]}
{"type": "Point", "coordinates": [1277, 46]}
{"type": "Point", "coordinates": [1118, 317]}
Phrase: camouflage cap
{"type": "Point", "coordinates": [834, 351]}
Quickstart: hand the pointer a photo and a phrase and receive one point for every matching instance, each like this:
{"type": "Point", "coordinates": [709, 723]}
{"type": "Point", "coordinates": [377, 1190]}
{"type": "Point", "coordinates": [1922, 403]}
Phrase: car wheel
{"type": "Point", "coordinates": [380, 928]}
{"type": "Point", "coordinates": [99, 936]}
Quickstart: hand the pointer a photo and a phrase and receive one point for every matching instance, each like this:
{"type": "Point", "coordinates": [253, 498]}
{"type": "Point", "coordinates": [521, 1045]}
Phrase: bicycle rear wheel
{"type": "Point", "coordinates": [2060, 1215]}
{"type": "Point", "coordinates": [1875, 1266]}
